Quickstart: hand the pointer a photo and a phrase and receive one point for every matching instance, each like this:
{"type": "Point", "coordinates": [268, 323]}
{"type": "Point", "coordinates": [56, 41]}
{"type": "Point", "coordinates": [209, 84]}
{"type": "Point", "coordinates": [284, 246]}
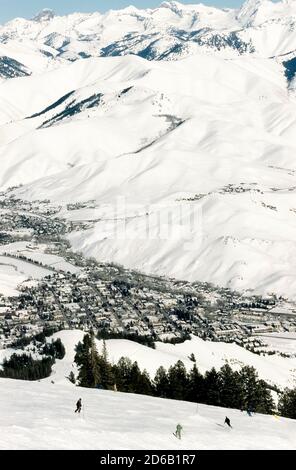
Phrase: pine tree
{"type": "Point", "coordinates": [195, 385]}
{"type": "Point", "coordinates": [256, 395]}
{"type": "Point", "coordinates": [231, 395]}
{"type": "Point", "coordinates": [212, 387]}
{"type": "Point", "coordinates": [161, 383]}
{"type": "Point", "coordinates": [87, 360]}
{"type": "Point", "coordinates": [94, 363]}
{"type": "Point", "coordinates": [106, 370]}
{"type": "Point", "coordinates": [122, 374]}
{"type": "Point", "coordinates": [178, 380]}
{"type": "Point", "coordinates": [287, 403]}
{"type": "Point", "coordinates": [145, 386]}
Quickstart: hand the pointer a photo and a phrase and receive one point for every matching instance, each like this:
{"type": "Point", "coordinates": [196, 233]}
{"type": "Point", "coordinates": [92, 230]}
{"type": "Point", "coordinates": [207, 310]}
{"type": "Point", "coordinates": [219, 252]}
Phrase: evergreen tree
{"type": "Point", "coordinates": [24, 367]}
{"type": "Point", "coordinates": [287, 403]}
{"type": "Point", "coordinates": [133, 380]}
{"type": "Point", "coordinates": [87, 360]}
{"type": "Point", "coordinates": [256, 395]}
{"type": "Point", "coordinates": [122, 374]}
{"type": "Point", "coordinates": [230, 388]}
{"type": "Point", "coordinates": [94, 363]}
{"type": "Point", "coordinates": [106, 370]}
{"type": "Point", "coordinates": [212, 388]}
{"type": "Point", "coordinates": [195, 390]}
{"type": "Point", "coordinates": [145, 386]}
{"type": "Point", "coordinates": [161, 383]}
{"type": "Point", "coordinates": [178, 381]}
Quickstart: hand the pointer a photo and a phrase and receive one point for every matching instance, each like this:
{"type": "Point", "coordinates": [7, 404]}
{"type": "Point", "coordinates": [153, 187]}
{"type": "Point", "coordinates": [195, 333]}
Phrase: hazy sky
{"type": "Point", "coordinates": [28, 8]}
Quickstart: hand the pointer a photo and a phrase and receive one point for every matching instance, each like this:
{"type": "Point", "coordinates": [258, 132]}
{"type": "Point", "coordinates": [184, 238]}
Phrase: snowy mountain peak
{"type": "Point", "coordinates": [249, 10]}
{"type": "Point", "coordinates": [256, 12]}
{"type": "Point", "coordinates": [44, 15]}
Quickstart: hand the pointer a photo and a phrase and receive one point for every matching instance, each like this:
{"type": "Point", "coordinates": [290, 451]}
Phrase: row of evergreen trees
{"type": "Point", "coordinates": [145, 340]}
{"type": "Point", "coordinates": [234, 389]}
{"type": "Point", "coordinates": [24, 367]}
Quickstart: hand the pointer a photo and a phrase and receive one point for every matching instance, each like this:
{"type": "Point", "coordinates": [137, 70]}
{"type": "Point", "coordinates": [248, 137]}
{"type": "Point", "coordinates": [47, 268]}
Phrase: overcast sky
{"type": "Point", "coordinates": [28, 8]}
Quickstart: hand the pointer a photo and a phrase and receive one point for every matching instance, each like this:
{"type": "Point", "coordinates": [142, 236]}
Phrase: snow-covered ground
{"type": "Point", "coordinates": [275, 369]}
{"type": "Point", "coordinates": [14, 272]}
{"type": "Point", "coordinates": [41, 416]}
{"type": "Point", "coordinates": [283, 342]}
{"type": "Point", "coordinates": [37, 252]}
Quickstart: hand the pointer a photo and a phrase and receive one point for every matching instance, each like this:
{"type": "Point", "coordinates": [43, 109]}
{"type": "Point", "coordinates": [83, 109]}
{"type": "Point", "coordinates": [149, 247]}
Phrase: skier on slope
{"type": "Point", "coordinates": [227, 421]}
{"type": "Point", "coordinates": [78, 406]}
{"type": "Point", "coordinates": [178, 431]}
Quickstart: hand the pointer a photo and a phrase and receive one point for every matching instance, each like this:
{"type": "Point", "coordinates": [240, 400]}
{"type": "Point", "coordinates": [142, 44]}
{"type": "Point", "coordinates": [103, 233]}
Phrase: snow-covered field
{"type": "Point", "coordinates": [14, 272]}
{"type": "Point", "coordinates": [36, 252]}
{"type": "Point", "coordinates": [283, 342]}
{"type": "Point", "coordinates": [274, 369]}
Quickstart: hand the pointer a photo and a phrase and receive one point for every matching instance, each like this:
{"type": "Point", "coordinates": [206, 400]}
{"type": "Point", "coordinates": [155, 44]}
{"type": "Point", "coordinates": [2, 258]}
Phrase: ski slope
{"type": "Point", "coordinates": [40, 415]}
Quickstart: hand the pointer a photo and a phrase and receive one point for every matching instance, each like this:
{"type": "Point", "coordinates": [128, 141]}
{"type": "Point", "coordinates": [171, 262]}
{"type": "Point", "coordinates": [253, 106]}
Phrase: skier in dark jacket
{"type": "Point", "coordinates": [227, 421]}
{"type": "Point", "coordinates": [78, 406]}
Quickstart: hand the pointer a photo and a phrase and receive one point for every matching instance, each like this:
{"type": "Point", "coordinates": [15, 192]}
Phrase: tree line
{"type": "Point", "coordinates": [25, 367]}
{"type": "Point", "coordinates": [225, 387]}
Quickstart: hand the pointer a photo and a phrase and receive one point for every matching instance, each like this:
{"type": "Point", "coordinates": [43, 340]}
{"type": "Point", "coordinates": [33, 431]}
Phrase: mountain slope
{"type": "Point", "coordinates": [200, 150]}
{"type": "Point", "coordinates": [215, 143]}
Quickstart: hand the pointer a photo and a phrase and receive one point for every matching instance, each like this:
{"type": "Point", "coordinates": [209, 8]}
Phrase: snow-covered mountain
{"type": "Point", "coordinates": [171, 31]}
{"type": "Point", "coordinates": [212, 133]}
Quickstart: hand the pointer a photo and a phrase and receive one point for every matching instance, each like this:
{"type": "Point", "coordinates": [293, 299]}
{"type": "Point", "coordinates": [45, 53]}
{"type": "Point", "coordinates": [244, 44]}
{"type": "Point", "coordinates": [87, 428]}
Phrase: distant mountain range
{"type": "Point", "coordinates": [170, 32]}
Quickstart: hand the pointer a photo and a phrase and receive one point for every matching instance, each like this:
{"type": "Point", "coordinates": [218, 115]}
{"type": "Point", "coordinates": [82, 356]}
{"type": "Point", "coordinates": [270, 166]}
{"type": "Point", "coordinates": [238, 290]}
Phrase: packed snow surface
{"type": "Point", "coordinates": [40, 415]}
